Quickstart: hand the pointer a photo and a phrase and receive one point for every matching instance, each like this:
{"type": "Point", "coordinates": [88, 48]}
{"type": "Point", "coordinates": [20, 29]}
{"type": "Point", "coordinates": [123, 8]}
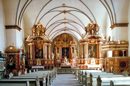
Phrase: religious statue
{"type": "Point", "coordinates": [65, 60]}
{"type": "Point", "coordinates": [57, 55]}
{"type": "Point", "coordinates": [109, 38]}
{"type": "Point", "coordinates": [52, 55]}
{"type": "Point", "coordinates": [65, 63]}
{"type": "Point", "coordinates": [23, 60]}
{"type": "Point", "coordinates": [72, 55]}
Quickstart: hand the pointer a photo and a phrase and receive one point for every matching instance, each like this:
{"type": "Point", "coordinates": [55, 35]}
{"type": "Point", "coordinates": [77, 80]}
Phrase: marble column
{"type": "Point", "coordinates": [81, 51]}
{"type": "Point", "coordinates": [56, 52]}
{"type": "Point", "coordinates": [31, 49]}
{"type": "Point", "coordinates": [86, 50]}
{"type": "Point", "coordinates": [49, 51]}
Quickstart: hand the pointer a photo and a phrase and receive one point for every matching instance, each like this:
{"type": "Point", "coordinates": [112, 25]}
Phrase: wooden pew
{"type": "Point", "coordinates": [33, 78]}
{"type": "Point", "coordinates": [93, 76]}
{"type": "Point", "coordinates": [114, 81]}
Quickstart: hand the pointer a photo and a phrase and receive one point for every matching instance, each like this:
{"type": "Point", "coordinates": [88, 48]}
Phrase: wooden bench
{"type": "Point", "coordinates": [42, 78]}
{"type": "Point", "coordinates": [91, 76]}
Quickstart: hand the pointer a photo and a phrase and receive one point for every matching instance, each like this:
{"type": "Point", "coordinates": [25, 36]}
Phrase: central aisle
{"type": "Point", "coordinates": [66, 80]}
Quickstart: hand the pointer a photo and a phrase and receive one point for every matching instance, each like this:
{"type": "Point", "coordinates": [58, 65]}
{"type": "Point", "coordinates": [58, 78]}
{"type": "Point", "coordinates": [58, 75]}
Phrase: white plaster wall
{"type": "Point", "coordinates": [14, 36]}
{"type": "Point", "coordinates": [20, 37]}
{"type": "Point", "coordinates": [2, 29]}
{"type": "Point", "coordinates": [120, 33]}
{"type": "Point", "coordinates": [108, 29]}
{"type": "Point", "coordinates": [19, 40]}
{"type": "Point", "coordinates": [10, 37]}
{"type": "Point", "coordinates": [121, 8]}
{"type": "Point", "coordinates": [10, 8]}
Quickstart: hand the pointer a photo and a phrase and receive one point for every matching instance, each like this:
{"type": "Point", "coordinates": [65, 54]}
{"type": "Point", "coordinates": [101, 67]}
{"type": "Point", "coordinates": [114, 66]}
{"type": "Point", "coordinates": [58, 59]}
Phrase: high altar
{"type": "Point", "coordinates": [65, 46]}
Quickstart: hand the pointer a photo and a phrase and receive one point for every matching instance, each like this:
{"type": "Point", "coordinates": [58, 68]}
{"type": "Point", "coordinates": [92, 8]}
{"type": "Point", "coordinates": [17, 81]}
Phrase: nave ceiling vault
{"type": "Point", "coordinates": [55, 15]}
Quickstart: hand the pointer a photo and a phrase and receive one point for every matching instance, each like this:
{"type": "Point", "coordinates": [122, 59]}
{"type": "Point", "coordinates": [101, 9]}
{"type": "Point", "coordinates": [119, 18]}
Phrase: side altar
{"type": "Point", "coordinates": [39, 49]}
{"type": "Point", "coordinates": [90, 48]}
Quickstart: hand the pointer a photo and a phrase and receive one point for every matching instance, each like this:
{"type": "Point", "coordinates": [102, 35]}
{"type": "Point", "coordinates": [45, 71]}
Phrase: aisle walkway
{"type": "Point", "coordinates": [65, 80]}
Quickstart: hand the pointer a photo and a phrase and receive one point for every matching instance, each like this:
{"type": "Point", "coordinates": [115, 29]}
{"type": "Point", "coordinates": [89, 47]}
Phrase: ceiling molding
{"type": "Point", "coordinates": [107, 11]}
{"type": "Point", "coordinates": [119, 25]}
{"type": "Point", "coordinates": [41, 10]}
{"type": "Point", "coordinates": [65, 29]}
{"type": "Point", "coordinates": [89, 10]}
{"type": "Point", "coordinates": [63, 19]}
{"type": "Point", "coordinates": [13, 27]}
{"type": "Point", "coordinates": [17, 12]}
{"type": "Point", "coordinates": [55, 35]}
{"type": "Point", "coordinates": [110, 11]}
{"type": "Point", "coordinates": [21, 11]}
{"type": "Point", "coordinates": [78, 10]}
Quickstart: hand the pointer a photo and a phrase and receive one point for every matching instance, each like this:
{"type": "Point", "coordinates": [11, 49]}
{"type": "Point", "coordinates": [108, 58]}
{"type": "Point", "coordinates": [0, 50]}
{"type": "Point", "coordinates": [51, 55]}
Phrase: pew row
{"type": "Point", "coordinates": [91, 77]}
{"type": "Point", "coordinates": [40, 78]}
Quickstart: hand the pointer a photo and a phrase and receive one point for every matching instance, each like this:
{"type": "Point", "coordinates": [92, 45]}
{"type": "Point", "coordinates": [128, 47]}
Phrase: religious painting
{"type": "Point", "coordinates": [92, 50]}
{"type": "Point", "coordinates": [39, 51]}
{"type": "Point", "coordinates": [65, 52]}
{"type": "Point", "coordinates": [11, 62]}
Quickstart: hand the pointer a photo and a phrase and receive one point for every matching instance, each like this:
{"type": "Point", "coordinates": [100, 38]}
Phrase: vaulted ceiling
{"type": "Point", "coordinates": [63, 16]}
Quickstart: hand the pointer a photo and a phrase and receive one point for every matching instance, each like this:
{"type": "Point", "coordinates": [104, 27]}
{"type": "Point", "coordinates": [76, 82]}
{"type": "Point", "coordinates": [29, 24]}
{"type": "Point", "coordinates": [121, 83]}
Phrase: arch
{"type": "Point", "coordinates": [22, 11]}
{"type": "Point", "coordinates": [64, 22]}
{"type": "Point", "coordinates": [64, 7]}
{"type": "Point", "coordinates": [88, 9]}
{"type": "Point", "coordinates": [61, 13]}
{"type": "Point", "coordinates": [66, 29]}
{"type": "Point", "coordinates": [65, 32]}
{"type": "Point", "coordinates": [67, 23]}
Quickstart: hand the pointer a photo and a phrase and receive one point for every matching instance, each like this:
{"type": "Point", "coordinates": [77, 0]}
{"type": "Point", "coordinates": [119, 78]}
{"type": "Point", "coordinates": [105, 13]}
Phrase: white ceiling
{"type": "Point", "coordinates": [76, 18]}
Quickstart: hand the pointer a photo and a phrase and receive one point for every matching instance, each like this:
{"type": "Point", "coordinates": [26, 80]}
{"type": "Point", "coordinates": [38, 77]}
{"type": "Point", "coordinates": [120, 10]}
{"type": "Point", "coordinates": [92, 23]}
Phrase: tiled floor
{"type": "Point", "coordinates": [66, 80]}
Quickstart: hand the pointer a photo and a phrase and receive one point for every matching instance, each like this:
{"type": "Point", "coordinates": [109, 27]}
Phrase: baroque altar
{"type": "Point", "coordinates": [39, 48]}
{"type": "Point", "coordinates": [90, 48]}
{"type": "Point", "coordinates": [65, 47]}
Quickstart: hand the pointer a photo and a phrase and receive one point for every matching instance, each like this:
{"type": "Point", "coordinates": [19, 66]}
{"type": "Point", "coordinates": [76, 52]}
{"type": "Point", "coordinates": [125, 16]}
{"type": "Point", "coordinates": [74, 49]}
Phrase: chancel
{"type": "Point", "coordinates": [64, 42]}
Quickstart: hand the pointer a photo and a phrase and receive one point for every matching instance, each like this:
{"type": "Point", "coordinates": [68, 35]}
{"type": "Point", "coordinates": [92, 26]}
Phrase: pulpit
{"type": "Point", "coordinates": [14, 63]}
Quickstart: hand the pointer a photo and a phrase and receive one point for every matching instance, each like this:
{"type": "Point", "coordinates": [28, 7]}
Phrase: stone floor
{"type": "Point", "coordinates": [66, 80]}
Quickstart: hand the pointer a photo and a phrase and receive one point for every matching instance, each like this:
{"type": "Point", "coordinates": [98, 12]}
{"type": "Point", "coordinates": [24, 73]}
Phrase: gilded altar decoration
{"type": "Point", "coordinates": [38, 30]}
{"type": "Point", "coordinates": [92, 29]}
{"type": "Point", "coordinates": [39, 48]}
{"type": "Point", "coordinates": [65, 46]}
